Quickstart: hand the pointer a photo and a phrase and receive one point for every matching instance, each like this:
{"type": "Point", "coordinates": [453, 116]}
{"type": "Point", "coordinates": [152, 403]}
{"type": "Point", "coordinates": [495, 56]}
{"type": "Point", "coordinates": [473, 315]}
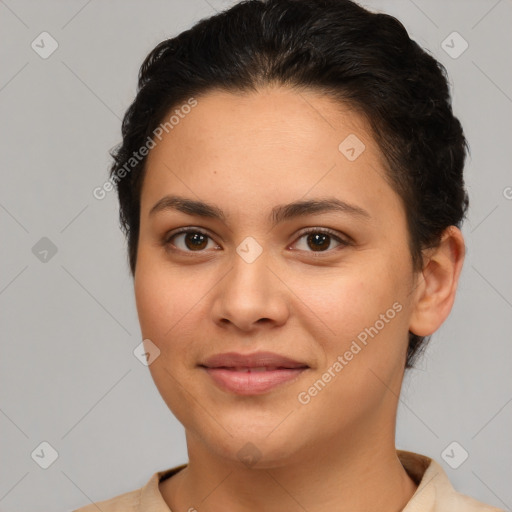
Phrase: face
{"type": "Point", "coordinates": [328, 288]}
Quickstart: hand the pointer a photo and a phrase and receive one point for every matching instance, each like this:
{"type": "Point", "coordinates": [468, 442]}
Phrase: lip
{"type": "Point", "coordinates": [254, 360]}
{"type": "Point", "coordinates": [251, 374]}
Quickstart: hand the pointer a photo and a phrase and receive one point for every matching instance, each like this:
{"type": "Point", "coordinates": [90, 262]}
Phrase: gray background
{"type": "Point", "coordinates": [69, 324]}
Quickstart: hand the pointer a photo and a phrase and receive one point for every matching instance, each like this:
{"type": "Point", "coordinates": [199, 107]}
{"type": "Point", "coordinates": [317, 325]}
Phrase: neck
{"type": "Point", "coordinates": [334, 476]}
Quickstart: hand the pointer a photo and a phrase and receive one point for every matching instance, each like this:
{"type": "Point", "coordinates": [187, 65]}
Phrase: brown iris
{"type": "Point", "coordinates": [195, 241]}
{"type": "Point", "coordinates": [319, 241]}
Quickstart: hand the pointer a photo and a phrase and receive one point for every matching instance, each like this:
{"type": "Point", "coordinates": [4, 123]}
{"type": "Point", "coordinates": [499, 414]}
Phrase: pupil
{"type": "Point", "coordinates": [319, 237]}
{"type": "Point", "coordinates": [196, 239]}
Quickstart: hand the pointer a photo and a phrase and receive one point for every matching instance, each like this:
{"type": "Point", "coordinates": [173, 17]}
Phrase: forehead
{"type": "Point", "coordinates": [273, 116]}
{"type": "Point", "coordinates": [273, 145]}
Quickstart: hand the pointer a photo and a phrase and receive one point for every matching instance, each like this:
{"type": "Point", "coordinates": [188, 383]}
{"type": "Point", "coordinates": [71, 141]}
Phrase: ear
{"type": "Point", "coordinates": [435, 289]}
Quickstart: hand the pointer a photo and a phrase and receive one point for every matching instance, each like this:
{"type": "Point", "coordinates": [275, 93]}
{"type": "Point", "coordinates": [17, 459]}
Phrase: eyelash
{"type": "Point", "coordinates": [343, 242]}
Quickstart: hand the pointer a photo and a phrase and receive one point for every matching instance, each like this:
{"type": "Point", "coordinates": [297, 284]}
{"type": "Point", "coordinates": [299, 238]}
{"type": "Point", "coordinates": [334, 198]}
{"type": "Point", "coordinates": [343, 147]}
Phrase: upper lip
{"type": "Point", "coordinates": [255, 360]}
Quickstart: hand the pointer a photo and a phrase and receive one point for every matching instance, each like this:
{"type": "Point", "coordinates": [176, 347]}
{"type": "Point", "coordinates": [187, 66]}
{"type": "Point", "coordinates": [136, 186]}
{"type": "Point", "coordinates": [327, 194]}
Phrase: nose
{"type": "Point", "coordinates": [251, 296]}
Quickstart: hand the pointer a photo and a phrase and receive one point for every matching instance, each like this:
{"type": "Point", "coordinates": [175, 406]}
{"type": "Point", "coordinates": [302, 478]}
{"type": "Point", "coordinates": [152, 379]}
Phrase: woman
{"type": "Point", "coordinates": [291, 186]}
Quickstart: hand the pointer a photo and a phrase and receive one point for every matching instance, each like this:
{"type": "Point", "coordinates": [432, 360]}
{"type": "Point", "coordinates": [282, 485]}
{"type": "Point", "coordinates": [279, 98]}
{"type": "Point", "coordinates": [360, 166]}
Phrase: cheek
{"type": "Point", "coordinates": [164, 307]}
{"type": "Point", "coordinates": [345, 302]}
{"type": "Point", "coordinates": [364, 345]}
{"type": "Point", "coordinates": [160, 298]}
{"type": "Point", "coordinates": [171, 304]}
{"type": "Point", "coordinates": [360, 315]}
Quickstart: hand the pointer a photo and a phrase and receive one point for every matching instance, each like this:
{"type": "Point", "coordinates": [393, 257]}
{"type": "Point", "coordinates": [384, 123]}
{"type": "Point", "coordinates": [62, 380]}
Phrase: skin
{"type": "Point", "coordinates": [247, 153]}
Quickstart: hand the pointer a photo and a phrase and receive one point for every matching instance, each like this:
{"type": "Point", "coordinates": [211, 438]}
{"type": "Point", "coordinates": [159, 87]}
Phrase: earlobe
{"type": "Point", "coordinates": [435, 291]}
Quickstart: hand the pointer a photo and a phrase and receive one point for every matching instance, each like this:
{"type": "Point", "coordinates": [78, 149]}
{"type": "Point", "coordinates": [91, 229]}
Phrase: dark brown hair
{"type": "Point", "coordinates": [363, 59]}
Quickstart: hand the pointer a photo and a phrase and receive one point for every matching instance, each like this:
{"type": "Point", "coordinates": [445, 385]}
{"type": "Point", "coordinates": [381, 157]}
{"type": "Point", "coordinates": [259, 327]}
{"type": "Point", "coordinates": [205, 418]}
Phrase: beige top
{"type": "Point", "coordinates": [434, 493]}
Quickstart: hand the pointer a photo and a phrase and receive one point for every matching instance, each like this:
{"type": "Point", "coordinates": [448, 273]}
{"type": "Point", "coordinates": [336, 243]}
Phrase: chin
{"type": "Point", "coordinates": [252, 447]}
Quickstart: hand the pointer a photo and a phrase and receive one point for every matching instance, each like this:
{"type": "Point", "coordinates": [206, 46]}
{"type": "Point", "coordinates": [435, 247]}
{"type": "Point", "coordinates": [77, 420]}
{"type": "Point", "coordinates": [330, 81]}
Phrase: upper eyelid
{"type": "Point", "coordinates": [188, 229]}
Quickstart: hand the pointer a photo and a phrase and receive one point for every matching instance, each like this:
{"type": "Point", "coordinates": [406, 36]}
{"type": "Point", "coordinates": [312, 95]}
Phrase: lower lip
{"type": "Point", "coordinates": [251, 383]}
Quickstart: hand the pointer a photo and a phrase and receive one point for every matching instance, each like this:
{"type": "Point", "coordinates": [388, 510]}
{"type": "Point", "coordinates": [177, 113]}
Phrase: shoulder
{"type": "Point", "coordinates": [435, 492]}
{"type": "Point", "coordinates": [147, 497]}
{"type": "Point", "coordinates": [462, 503]}
{"type": "Point", "coordinates": [448, 499]}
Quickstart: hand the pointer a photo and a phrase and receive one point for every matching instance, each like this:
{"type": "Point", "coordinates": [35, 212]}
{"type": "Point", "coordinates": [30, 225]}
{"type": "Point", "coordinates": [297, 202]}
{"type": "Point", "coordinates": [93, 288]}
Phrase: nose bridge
{"type": "Point", "coordinates": [250, 268]}
{"type": "Point", "coordinates": [250, 291]}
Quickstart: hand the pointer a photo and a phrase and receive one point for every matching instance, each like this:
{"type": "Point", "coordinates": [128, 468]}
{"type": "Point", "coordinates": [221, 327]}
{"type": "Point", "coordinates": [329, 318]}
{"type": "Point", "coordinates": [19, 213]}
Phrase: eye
{"type": "Point", "coordinates": [192, 240]}
{"type": "Point", "coordinates": [320, 239]}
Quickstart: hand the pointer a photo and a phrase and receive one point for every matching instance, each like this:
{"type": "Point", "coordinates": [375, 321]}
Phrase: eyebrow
{"type": "Point", "coordinates": [278, 214]}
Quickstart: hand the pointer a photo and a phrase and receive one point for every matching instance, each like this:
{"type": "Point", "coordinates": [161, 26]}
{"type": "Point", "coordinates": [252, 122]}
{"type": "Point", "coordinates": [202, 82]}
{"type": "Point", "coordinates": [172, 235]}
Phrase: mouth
{"type": "Point", "coordinates": [252, 374]}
